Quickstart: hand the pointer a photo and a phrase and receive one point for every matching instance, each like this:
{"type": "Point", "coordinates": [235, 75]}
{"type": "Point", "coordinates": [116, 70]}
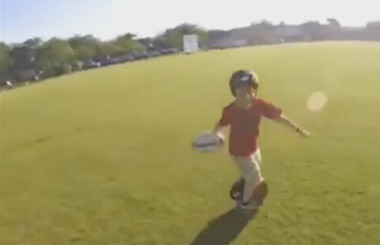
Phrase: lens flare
{"type": "Point", "coordinates": [316, 101]}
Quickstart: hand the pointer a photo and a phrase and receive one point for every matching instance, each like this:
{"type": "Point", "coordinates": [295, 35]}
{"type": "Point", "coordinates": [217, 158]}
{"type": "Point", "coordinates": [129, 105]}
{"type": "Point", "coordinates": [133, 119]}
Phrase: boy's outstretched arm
{"type": "Point", "coordinates": [291, 125]}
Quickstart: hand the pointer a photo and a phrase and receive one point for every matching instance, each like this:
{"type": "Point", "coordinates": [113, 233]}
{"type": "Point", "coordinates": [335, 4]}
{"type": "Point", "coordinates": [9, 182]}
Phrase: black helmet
{"type": "Point", "coordinates": [243, 76]}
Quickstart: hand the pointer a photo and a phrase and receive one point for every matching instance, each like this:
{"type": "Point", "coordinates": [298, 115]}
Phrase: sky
{"type": "Point", "coordinates": [106, 19]}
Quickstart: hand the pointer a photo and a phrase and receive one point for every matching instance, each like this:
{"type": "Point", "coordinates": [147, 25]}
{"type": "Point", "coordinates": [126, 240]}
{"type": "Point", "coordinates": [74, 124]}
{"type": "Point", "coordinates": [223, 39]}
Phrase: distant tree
{"type": "Point", "coordinates": [333, 23]}
{"type": "Point", "coordinates": [215, 37]}
{"type": "Point", "coordinates": [314, 30]}
{"type": "Point", "coordinates": [84, 52]}
{"type": "Point", "coordinates": [373, 25]}
{"type": "Point", "coordinates": [147, 43]}
{"type": "Point", "coordinates": [108, 48]}
{"type": "Point", "coordinates": [23, 63]}
{"type": "Point", "coordinates": [85, 47]}
{"type": "Point", "coordinates": [5, 58]}
{"type": "Point", "coordinates": [160, 42]}
{"type": "Point", "coordinates": [262, 33]}
{"type": "Point", "coordinates": [174, 37]}
{"type": "Point", "coordinates": [77, 41]}
{"type": "Point", "coordinates": [126, 43]}
{"type": "Point", "coordinates": [33, 42]}
{"type": "Point", "coordinates": [265, 24]}
{"type": "Point", "coordinates": [54, 51]}
{"type": "Point", "coordinates": [333, 29]}
{"type": "Point", "coordinates": [22, 57]}
{"type": "Point", "coordinates": [126, 36]}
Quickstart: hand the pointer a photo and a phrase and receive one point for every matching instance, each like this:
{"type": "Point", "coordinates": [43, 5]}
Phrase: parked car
{"type": "Point", "coordinates": [154, 53]}
{"type": "Point", "coordinates": [138, 55]}
{"type": "Point", "coordinates": [90, 64]}
{"type": "Point", "coordinates": [105, 60]}
{"type": "Point", "coordinates": [26, 75]}
{"type": "Point", "coordinates": [169, 51]}
{"type": "Point", "coordinates": [122, 58]}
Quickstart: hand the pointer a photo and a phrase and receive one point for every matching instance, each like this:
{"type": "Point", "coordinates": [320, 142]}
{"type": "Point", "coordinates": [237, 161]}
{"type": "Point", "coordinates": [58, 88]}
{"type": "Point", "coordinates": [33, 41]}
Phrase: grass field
{"type": "Point", "coordinates": [104, 157]}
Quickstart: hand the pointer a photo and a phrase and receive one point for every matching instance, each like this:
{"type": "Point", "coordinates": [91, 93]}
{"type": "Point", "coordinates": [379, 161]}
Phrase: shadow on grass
{"type": "Point", "coordinates": [225, 228]}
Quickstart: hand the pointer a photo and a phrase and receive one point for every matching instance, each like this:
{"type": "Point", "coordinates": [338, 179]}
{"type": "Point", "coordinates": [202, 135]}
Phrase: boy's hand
{"type": "Point", "coordinates": [285, 121]}
{"type": "Point", "coordinates": [303, 133]}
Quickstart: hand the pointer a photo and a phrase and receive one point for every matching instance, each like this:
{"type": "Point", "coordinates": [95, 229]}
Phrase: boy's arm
{"type": "Point", "coordinates": [217, 128]}
{"type": "Point", "coordinates": [224, 121]}
{"type": "Point", "coordinates": [291, 125]}
{"type": "Point", "coordinates": [275, 113]}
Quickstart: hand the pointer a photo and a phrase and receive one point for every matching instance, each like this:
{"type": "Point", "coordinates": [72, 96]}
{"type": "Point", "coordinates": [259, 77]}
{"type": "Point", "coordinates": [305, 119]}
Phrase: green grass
{"type": "Point", "coordinates": [104, 157]}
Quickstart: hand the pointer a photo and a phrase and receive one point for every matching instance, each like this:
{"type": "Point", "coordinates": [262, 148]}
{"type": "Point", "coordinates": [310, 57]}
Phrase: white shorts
{"type": "Point", "coordinates": [250, 172]}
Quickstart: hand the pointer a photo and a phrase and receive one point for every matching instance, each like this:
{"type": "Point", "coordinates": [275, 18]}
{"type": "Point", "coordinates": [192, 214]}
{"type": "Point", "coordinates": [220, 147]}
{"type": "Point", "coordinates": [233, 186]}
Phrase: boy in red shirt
{"type": "Point", "coordinates": [244, 115]}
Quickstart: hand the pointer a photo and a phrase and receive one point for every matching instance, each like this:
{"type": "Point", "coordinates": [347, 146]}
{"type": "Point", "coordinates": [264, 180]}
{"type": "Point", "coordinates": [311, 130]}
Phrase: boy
{"type": "Point", "coordinates": [244, 115]}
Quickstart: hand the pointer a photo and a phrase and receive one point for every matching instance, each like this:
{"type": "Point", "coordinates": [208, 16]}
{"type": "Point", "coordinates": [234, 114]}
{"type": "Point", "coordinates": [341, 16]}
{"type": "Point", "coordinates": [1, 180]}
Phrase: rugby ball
{"type": "Point", "coordinates": [208, 142]}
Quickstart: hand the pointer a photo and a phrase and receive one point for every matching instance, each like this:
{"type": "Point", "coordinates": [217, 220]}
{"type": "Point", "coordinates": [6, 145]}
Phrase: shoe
{"type": "Point", "coordinates": [250, 206]}
{"type": "Point", "coordinates": [258, 196]}
{"type": "Point", "coordinates": [236, 191]}
{"type": "Point", "coordinates": [260, 192]}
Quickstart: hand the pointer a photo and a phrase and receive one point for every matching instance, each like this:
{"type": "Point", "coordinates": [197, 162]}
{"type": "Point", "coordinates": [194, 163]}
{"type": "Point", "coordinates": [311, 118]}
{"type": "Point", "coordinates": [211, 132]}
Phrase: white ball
{"type": "Point", "coordinates": [208, 142]}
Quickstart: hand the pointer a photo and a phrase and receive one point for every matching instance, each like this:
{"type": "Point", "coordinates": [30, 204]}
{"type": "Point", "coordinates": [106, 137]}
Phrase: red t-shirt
{"type": "Point", "coordinates": [245, 125]}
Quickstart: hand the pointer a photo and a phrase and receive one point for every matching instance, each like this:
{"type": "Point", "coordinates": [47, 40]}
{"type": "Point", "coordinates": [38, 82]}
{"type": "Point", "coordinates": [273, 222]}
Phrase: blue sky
{"type": "Point", "coordinates": [105, 19]}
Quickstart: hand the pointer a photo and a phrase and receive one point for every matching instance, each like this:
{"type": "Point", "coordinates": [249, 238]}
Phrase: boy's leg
{"type": "Point", "coordinates": [254, 187]}
{"type": "Point", "coordinates": [261, 189]}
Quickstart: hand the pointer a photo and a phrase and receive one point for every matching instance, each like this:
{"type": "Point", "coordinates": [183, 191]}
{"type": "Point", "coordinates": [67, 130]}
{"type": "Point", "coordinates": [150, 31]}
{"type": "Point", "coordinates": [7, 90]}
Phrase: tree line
{"type": "Point", "coordinates": [57, 56]}
{"type": "Point", "coordinates": [54, 55]}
